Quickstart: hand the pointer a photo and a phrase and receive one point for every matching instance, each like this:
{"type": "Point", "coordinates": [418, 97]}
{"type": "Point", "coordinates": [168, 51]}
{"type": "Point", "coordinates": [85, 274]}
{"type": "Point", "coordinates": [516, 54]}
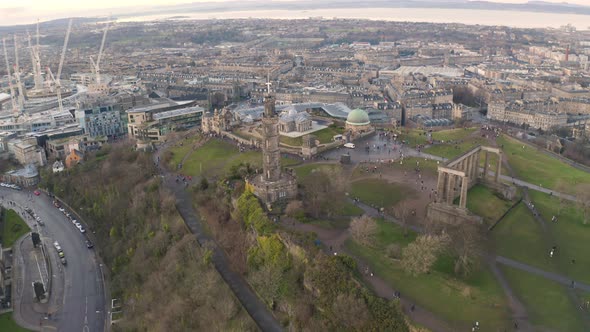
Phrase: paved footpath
{"type": "Point", "coordinates": [253, 305]}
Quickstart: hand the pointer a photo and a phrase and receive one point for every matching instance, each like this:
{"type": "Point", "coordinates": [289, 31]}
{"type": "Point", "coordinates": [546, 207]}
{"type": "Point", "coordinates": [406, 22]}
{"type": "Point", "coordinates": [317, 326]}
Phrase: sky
{"type": "Point", "coordinates": [27, 11]}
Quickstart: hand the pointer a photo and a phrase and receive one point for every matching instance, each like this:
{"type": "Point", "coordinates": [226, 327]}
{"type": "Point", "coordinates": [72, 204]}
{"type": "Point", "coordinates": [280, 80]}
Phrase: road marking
{"type": "Point", "coordinates": [39, 267]}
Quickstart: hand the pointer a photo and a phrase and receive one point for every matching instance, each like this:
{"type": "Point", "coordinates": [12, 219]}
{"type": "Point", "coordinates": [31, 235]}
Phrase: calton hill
{"type": "Point", "coordinates": [354, 250]}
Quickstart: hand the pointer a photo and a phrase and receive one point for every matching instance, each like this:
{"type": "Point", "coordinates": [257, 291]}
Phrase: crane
{"type": "Point", "coordinates": [56, 79]}
{"type": "Point", "coordinates": [96, 65]}
{"type": "Point", "coordinates": [35, 62]}
{"type": "Point", "coordinates": [19, 85]}
{"type": "Point", "coordinates": [12, 99]}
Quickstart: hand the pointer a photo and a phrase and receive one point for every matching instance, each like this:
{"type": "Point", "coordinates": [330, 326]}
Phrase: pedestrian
{"type": "Point", "coordinates": [412, 308]}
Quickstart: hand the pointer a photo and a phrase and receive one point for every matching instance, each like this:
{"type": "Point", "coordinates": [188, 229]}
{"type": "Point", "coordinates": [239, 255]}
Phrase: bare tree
{"type": "Point", "coordinates": [402, 212]}
{"type": "Point", "coordinates": [363, 229]}
{"type": "Point", "coordinates": [419, 256]}
{"type": "Point", "coordinates": [324, 192]}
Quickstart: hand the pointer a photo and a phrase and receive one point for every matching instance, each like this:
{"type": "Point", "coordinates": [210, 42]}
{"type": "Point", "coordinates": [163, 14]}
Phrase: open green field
{"type": "Point", "coordinates": [518, 236]}
{"type": "Point", "coordinates": [413, 137]}
{"type": "Point", "coordinates": [534, 166]}
{"type": "Point", "coordinates": [460, 302]}
{"type": "Point", "coordinates": [452, 134]}
{"type": "Point", "coordinates": [305, 170]}
{"type": "Point", "coordinates": [14, 227]}
{"type": "Point", "coordinates": [9, 325]}
{"type": "Point", "coordinates": [569, 233]}
{"type": "Point", "coordinates": [380, 193]}
{"type": "Point", "coordinates": [409, 165]}
{"type": "Point", "coordinates": [325, 135]}
{"type": "Point", "coordinates": [216, 157]}
{"type": "Point", "coordinates": [180, 150]}
{"type": "Point", "coordinates": [453, 150]}
{"type": "Point", "coordinates": [549, 304]}
{"type": "Point", "coordinates": [485, 203]}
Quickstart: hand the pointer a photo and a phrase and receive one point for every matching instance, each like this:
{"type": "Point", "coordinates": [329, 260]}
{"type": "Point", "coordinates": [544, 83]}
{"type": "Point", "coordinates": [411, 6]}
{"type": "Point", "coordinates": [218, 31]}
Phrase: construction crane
{"type": "Point", "coordinates": [56, 79]}
{"type": "Point", "coordinates": [19, 85]}
{"type": "Point", "coordinates": [12, 96]}
{"type": "Point", "coordinates": [34, 63]}
{"type": "Point", "coordinates": [96, 65]}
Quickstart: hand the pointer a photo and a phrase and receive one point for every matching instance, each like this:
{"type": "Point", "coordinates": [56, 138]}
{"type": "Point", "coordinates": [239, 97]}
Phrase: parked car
{"type": "Point", "coordinates": [61, 254]}
{"type": "Point", "coordinates": [57, 246]}
{"type": "Point", "coordinates": [89, 244]}
{"type": "Point", "coordinates": [63, 260]}
{"type": "Point", "coordinates": [37, 192]}
{"type": "Point", "coordinates": [82, 230]}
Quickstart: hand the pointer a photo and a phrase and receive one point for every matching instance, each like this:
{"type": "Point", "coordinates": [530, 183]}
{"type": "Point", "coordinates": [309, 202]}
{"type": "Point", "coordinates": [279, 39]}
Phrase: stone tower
{"type": "Point", "coordinates": [271, 155]}
{"type": "Point", "coordinates": [273, 186]}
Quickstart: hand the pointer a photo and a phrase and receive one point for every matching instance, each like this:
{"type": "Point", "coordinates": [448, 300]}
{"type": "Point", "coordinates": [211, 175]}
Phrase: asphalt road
{"type": "Point", "coordinates": [83, 304]}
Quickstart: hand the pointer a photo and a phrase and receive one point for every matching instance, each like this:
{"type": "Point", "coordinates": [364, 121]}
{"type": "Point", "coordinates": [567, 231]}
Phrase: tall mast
{"type": "Point", "coordinates": [21, 96]}
{"type": "Point", "coordinates": [12, 96]}
{"type": "Point", "coordinates": [97, 64]}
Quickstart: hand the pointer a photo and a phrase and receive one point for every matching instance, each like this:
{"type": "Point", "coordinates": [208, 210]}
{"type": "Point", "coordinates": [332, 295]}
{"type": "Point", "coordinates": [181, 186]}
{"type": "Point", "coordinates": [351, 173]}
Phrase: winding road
{"type": "Point", "coordinates": [82, 305]}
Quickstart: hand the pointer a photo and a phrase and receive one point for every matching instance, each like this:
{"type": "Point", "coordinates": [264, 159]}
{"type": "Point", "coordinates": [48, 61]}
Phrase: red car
{"type": "Point", "coordinates": [37, 192]}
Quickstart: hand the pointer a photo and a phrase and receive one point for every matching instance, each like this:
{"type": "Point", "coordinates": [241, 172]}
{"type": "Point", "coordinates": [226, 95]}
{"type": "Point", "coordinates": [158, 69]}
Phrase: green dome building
{"type": "Point", "coordinates": [358, 121]}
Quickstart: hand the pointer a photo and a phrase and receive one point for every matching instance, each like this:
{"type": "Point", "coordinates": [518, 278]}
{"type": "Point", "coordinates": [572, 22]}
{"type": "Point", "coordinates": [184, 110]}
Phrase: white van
{"type": "Point", "coordinates": [349, 145]}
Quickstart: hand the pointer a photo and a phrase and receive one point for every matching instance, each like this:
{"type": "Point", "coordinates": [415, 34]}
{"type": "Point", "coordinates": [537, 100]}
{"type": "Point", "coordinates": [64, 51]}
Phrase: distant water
{"type": "Point", "coordinates": [433, 15]}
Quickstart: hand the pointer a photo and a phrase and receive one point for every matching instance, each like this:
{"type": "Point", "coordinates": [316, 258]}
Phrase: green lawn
{"type": "Point", "coordinates": [14, 227]}
{"type": "Point", "coordinates": [452, 134]}
{"type": "Point", "coordinates": [569, 233]}
{"type": "Point", "coordinates": [292, 141]}
{"type": "Point", "coordinates": [325, 135]}
{"type": "Point", "coordinates": [413, 137]}
{"type": "Point", "coordinates": [216, 157]}
{"type": "Point", "coordinates": [535, 167]}
{"type": "Point", "coordinates": [548, 303]}
{"type": "Point", "coordinates": [180, 150]}
{"type": "Point", "coordinates": [453, 150]}
{"type": "Point", "coordinates": [521, 238]}
{"type": "Point", "coordinates": [409, 164]}
{"type": "Point", "coordinates": [487, 204]}
{"type": "Point", "coordinates": [9, 325]}
{"type": "Point", "coordinates": [303, 171]}
{"type": "Point", "coordinates": [518, 236]}
{"type": "Point", "coordinates": [460, 302]}
{"type": "Point", "coordinates": [349, 209]}
{"type": "Point", "coordinates": [379, 192]}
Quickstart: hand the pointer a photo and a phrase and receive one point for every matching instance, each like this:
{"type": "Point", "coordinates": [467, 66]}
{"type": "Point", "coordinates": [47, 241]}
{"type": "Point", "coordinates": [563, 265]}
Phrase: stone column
{"type": "Point", "coordinates": [440, 187]}
{"type": "Point", "coordinates": [450, 195]}
{"type": "Point", "coordinates": [469, 165]}
{"type": "Point", "coordinates": [475, 165]}
{"type": "Point", "coordinates": [499, 167]}
{"type": "Point", "coordinates": [464, 187]}
{"type": "Point", "coordinates": [485, 167]}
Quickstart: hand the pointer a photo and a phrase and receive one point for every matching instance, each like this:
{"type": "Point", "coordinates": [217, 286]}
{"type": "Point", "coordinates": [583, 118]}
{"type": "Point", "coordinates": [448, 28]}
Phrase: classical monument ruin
{"type": "Point", "coordinates": [456, 177]}
{"type": "Point", "coordinates": [272, 185]}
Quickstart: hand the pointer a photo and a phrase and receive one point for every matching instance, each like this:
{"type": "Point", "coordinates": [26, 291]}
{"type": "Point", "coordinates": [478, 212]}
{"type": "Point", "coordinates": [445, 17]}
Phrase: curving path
{"type": "Point", "coordinates": [249, 300]}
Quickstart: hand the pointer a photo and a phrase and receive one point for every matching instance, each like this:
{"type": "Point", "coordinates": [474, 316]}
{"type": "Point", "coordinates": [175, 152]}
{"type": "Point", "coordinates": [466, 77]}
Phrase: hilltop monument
{"type": "Point", "coordinates": [273, 185]}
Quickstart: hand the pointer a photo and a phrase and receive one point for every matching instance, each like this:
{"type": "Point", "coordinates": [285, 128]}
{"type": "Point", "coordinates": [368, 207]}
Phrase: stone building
{"type": "Point", "coordinates": [218, 122]}
{"type": "Point", "coordinates": [24, 177]}
{"type": "Point", "coordinates": [292, 120]}
{"type": "Point", "coordinates": [537, 114]}
{"type": "Point", "coordinates": [273, 185]}
{"type": "Point", "coordinates": [358, 122]}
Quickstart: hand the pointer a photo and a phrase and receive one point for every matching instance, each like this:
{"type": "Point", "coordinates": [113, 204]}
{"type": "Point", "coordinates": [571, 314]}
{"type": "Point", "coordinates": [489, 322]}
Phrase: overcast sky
{"type": "Point", "coordinates": [27, 11]}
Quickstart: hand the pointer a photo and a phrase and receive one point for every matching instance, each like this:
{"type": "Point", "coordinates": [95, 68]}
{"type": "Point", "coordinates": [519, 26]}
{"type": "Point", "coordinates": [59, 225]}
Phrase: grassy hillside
{"type": "Point", "coordinates": [164, 279]}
